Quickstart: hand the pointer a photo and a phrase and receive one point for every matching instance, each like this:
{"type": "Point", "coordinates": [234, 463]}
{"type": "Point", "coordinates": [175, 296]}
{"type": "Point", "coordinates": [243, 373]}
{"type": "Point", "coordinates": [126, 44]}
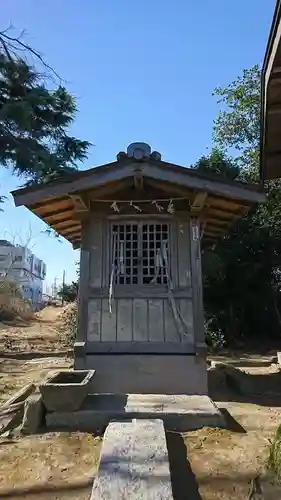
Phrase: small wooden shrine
{"type": "Point", "coordinates": [141, 224]}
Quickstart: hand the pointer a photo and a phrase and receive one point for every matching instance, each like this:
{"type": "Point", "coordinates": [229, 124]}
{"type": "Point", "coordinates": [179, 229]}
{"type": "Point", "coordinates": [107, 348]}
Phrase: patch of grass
{"type": "Point", "coordinates": [274, 460]}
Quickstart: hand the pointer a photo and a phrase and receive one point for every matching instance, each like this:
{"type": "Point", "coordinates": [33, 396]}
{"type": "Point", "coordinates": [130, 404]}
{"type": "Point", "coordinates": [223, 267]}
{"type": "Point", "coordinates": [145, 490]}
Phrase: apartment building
{"type": "Point", "coordinates": [21, 265]}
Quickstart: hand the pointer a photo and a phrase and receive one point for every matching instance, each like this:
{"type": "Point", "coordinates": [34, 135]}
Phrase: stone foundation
{"type": "Point", "coordinates": [180, 413]}
{"type": "Point", "coordinates": [146, 374]}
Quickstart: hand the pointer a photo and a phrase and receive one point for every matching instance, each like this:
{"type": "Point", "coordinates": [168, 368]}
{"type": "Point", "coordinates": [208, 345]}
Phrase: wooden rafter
{"type": "Point", "coordinates": [79, 202]}
{"type": "Point", "coordinates": [198, 203]}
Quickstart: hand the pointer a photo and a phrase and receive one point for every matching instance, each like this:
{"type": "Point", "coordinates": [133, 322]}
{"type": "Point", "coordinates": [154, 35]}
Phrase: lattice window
{"type": "Point", "coordinates": [140, 253]}
{"type": "Point", "coordinates": [125, 251]}
{"type": "Point", "coordinates": [154, 253]}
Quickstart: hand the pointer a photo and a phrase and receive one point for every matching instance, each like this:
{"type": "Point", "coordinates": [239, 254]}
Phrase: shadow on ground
{"type": "Point", "coordinates": [231, 424]}
{"type": "Point", "coordinates": [27, 356]}
{"type": "Point", "coordinates": [184, 482]}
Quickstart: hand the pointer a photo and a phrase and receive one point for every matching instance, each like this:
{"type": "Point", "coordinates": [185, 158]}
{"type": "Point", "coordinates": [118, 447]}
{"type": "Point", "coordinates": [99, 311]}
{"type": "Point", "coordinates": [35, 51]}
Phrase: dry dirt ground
{"type": "Point", "coordinates": [208, 464]}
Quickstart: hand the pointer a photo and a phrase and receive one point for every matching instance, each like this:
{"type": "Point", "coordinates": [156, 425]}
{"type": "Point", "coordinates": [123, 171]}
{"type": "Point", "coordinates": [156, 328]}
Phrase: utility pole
{"type": "Point", "coordinates": [63, 284]}
{"type": "Point", "coordinates": [55, 288]}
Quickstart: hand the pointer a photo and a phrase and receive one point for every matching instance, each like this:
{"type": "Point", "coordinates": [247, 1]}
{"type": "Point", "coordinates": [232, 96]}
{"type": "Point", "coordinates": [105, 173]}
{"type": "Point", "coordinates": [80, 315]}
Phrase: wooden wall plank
{"type": "Point", "coordinates": [108, 321]}
{"type": "Point", "coordinates": [155, 320]}
{"type": "Point", "coordinates": [171, 333]}
{"type": "Point", "coordinates": [140, 323]}
{"type": "Point", "coordinates": [94, 320]}
{"type": "Point", "coordinates": [124, 319]}
{"type": "Point", "coordinates": [186, 311]}
{"type": "Point", "coordinates": [96, 253]}
{"type": "Point", "coordinates": [184, 267]}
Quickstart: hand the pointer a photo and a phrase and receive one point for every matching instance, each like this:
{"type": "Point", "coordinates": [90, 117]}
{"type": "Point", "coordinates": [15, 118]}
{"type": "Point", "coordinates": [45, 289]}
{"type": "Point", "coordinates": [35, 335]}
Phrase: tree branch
{"type": "Point", "coordinates": [16, 44]}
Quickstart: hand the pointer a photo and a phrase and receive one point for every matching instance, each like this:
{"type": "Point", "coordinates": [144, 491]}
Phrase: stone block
{"type": "Point", "coordinates": [149, 374]}
{"type": "Point", "coordinates": [79, 355]}
{"type": "Point", "coordinates": [33, 416]}
{"type": "Point", "coordinates": [134, 462]}
{"type": "Point", "coordinates": [66, 390]}
{"type": "Point", "coordinates": [238, 380]}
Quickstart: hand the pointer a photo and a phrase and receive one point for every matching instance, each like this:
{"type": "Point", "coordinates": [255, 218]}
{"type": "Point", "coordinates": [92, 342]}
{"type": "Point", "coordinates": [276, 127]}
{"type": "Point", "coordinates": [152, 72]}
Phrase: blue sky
{"type": "Point", "coordinates": [141, 71]}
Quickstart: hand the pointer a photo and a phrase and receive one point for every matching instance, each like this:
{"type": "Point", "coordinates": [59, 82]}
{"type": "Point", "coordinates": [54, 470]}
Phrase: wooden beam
{"type": "Point", "coordinates": [53, 213]}
{"type": "Point", "coordinates": [81, 215]}
{"type": "Point", "coordinates": [76, 244]}
{"type": "Point", "coordinates": [228, 205]}
{"type": "Point", "coordinates": [47, 202]}
{"type": "Point", "coordinates": [188, 178]}
{"type": "Point", "coordinates": [136, 347]}
{"type": "Point", "coordinates": [67, 225]}
{"type": "Point", "coordinates": [209, 238]}
{"type": "Point", "coordinates": [76, 230]}
{"type": "Point", "coordinates": [53, 219]}
{"type": "Point", "coordinates": [72, 234]}
{"type": "Point", "coordinates": [72, 237]}
{"type": "Point", "coordinates": [218, 229]}
{"type": "Point", "coordinates": [221, 215]}
{"type": "Point", "coordinates": [160, 172]}
{"type": "Point", "coordinates": [198, 203]}
{"type": "Point", "coordinates": [209, 233]}
{"type": "Point", "coordinates": [64, 218]}
{"type": "Point", "coordinates": [272, 45]}
{"type": "Point", "coordinates": [221, 223]}
{"type": "Point", "coordinates": [79, 202]}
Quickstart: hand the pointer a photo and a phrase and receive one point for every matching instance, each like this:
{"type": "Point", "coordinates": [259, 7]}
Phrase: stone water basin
{"type": "Point", "coordinates": [66, 390]}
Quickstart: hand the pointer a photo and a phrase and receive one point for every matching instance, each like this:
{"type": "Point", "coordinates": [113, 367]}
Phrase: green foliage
{"type": "Point", "coordinates": [69, 292]}
{"type": "Point", "coordinates": [215, 338]}
{"type": "Point", "coordinates": [34, 122]}
{"type": "Point", "coordinates": [217, 162]}
{"type": "Point", "coordinates": [274, 461]}
{"type": "Point", "coordinates": [242, 274]}
{"type": "Point", "coordinates": [238, 122]}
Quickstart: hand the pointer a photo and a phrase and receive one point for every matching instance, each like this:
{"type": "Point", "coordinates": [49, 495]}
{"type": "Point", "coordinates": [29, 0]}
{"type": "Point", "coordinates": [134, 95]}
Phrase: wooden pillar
{"type": "Point", "coordinates": [83, 294]}
{"type": "Point", "coordinates": [196, 280]}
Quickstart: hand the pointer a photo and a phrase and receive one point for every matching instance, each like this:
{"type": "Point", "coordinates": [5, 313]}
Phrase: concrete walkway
{"type": "Point", "coordinates": [134, 463]}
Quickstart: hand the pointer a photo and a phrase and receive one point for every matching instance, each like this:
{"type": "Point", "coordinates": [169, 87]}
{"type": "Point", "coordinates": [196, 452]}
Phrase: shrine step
{"type": "Point", "coordinates": [180, 413]}
{"type": "Point", "coordinates": [134, 462]}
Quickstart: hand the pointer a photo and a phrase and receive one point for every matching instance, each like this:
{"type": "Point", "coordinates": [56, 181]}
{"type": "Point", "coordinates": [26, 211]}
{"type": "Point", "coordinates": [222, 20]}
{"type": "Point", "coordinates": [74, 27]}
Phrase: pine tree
{"type": "Point", "coordinates": [34, 118]}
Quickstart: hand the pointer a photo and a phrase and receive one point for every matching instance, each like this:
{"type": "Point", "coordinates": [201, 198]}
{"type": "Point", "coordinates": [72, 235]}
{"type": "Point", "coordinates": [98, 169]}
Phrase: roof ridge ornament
{"type": "Point", "coordinates": [139, 151]}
